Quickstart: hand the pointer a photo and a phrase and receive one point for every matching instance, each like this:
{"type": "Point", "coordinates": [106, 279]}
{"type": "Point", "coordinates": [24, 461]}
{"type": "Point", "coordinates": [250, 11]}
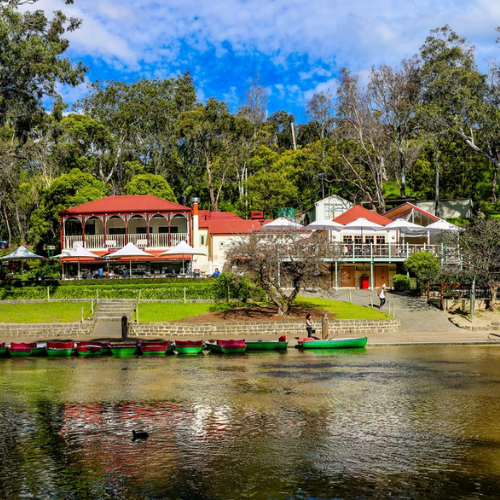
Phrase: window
{"type": "Point", "coordinates": [116, 230]}
{"type": "Point", "coordinates": [202, 239]}
{"type": "Point", "coordinates": [380, 240]}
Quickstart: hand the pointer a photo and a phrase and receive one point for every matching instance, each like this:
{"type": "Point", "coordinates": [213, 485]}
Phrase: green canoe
{"type": "Point", "coordinates": [4, 350]}
{"type": "Point", "coordinates": [335, 343]}
{"type": "Point", "coordinates": [189, 346]}
{"type": "Point", "coordinates": [266, 345]}
{"type": "Point", "coordinates": [123, 349]}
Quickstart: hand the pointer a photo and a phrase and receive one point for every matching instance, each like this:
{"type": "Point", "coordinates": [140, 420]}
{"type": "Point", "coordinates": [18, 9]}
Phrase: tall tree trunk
{"type": "Point", "coordinates": [436, 195]}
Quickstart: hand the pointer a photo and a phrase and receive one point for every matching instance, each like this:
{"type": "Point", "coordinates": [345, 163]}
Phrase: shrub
{"type": "Point", "coordinates": [424, 266]}
{"type": "Point", "coordinates": [232, 286]}
{"type": "Point", "coordinates": [401, 282]}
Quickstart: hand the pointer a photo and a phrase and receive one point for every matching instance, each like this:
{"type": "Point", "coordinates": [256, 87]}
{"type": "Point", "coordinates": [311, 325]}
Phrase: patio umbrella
{"type": "Point", "coordinates": [442, 225]}
{"type": "Point", "coordinates": [22, 254]}
{"type": "Point", "coordinates": [282, 224]}
{"type": "Point", "coordinates": [365, 224]}
{"type": "Point", "coordinates": [404, 226]}
{"type": "Point", "coordinates": [77, 254]}
{"type": "Point", "coordinates": [130, 251]}
{"type": "Point", "coordinates": [325, 225]}
{"type": "Point", "coordinates": [183, 249]}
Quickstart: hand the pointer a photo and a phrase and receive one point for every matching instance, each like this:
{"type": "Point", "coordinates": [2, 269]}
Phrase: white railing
{"type": "Point", "coordinates": [120, 240]}
{"type": "Point", "coordinates": [393, 250]}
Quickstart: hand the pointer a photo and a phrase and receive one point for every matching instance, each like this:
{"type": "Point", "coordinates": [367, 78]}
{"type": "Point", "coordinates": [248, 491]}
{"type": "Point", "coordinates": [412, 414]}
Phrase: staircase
{"type": "Point", "coordinates": [108, 317]}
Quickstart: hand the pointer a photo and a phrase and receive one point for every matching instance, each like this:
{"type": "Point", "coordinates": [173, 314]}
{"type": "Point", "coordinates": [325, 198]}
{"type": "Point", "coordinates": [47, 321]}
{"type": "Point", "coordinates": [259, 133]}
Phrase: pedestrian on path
{"type": "Point", "coordinates": [309, 325]}
{"type": "Point", "coordinates": [381, 296]}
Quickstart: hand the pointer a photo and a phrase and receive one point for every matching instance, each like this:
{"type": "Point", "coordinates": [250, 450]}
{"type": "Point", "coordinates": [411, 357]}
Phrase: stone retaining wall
{"type": "Point", "coordinates": [263, 328]}
{"type": "Point", "coordinates": [45, 331]}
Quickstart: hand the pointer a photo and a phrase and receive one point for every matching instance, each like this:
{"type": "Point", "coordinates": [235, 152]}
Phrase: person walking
{"type": "Point", "coordinates": [309, 325]}
{"type": "Point", "coordinates": [381, 296]}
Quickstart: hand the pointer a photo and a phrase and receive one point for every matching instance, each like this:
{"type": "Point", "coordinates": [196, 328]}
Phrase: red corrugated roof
{"type": "Point", "coordinates": [229, 227]}
{"type": "Point", "coordinates": [125, 204]}
{"type": "Point", "coordinates": [206, 215]}
{"type": "Point", "coordinates": [356, 212]}
{"type": "Point", "coordinates": [403, 209]}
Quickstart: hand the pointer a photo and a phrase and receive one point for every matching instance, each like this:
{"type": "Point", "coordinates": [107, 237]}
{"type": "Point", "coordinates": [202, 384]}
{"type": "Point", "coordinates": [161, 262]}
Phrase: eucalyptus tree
{"type": "Point", "coordinates": [142, 118]}
{"type": "Point", "coordinates": [363, 142]}
{"type": "Point", "coordinates": [320, 109]}
{"type": "Point", "coordinates": [393, 96]}
{"type": "Point", "coordinates": [32, 64]}
{"type": "Point", "coordinates": [212, 132]}
{"type": "Point", "coordinates": [458, 99]}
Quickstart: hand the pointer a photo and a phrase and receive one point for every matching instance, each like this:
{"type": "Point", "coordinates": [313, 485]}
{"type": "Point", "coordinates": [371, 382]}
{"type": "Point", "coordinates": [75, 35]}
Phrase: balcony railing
{"type": "Point", "coordinates": [388, 251]}
{"type": "Point", "coordinates": [94, 242]}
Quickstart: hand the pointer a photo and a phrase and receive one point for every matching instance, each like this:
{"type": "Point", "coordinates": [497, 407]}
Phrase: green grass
{"type": "Point", "coordinates": [342, 310]}
{"type": "Point", "coordinates": [47, 312]}
{"type": "Point", "coordinates": [151, 311]}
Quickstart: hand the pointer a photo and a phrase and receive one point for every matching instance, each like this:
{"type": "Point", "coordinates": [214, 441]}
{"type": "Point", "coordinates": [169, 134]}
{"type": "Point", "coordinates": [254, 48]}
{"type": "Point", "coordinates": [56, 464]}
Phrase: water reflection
{"type": "Point", "coordinates": [404, 422]}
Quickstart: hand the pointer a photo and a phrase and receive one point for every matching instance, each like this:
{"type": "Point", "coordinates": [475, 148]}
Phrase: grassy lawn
{"type": "Point", "coordinates": [65, 312]}
{"type": "Point", "coordinates": [342, 310]}
{"type": "Point", "coordinates": [150, 311]}
{"type": "Point", "coordinates": [47, 312]}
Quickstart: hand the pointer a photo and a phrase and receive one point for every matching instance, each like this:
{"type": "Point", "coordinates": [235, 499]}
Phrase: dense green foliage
{"type": "Point", "coordinates": [424, 266]}
{"type": "Point", "coordinates": [427, 128]}
{"type": "Point", "coordinates": [143, 288]}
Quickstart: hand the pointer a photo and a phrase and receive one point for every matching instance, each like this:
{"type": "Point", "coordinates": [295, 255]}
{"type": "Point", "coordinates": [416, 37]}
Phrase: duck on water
{"type": "Point", "coordinates": [139, 435]}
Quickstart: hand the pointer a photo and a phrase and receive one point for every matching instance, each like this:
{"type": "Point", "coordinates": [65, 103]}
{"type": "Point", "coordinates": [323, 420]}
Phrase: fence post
{"type": "Point", "coordinates": [184, 295]}
{"type": "Point", "coordinates": [82, 314]}
{"type": "Point", "coordinates": [442, 297]}
{"type": "Point", "coordinates": [97, 296]}
{"type": "Point", "coordinates": [92, 306]}
{"type": "Point", "coordinates": [48, 294]}
{"type": "Point", "coordinates": [350, 296]}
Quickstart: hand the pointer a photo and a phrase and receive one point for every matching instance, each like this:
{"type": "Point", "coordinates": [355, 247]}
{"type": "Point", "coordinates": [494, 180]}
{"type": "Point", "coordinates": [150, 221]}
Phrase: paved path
{"type": "Point", "coordinates": [420, 322]}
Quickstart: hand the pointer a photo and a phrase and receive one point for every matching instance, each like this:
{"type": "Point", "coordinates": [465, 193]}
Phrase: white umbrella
{"type": "Point", "coordinates": [282, 224]}
{"type": "Point", "coordinates": [183, 249]}
{"type": "Point", "coordinates": [365, 224]}
{"type": "Point", "coordinates": [77, 253]}
{"type": "Point", "coordinates": [22, 254]}
{"type": "Point", "coordinates": [129, 250]}
{"type": "Point", "coordinates": [442, 225]}
{"type": "Point", "coordinates": [325, 225]}
{"type": "Point", "coordinates": [404, 225]}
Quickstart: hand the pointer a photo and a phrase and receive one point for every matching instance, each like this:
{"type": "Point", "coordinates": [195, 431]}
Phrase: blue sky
{"type": "Point", "coordinates": [295, 46]}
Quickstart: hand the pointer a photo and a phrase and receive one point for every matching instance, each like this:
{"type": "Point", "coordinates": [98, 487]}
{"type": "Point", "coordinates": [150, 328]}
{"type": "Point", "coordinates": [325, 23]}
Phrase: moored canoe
{"type": "Point", "coordinates": [267, 345]}
{"type": "Point", "coordinates": [60, 348]}
{"type": "Point", "coordinates": [3, 349]}
{"type": "Point", "coordinates": [21, 349]}
{"type": "Point", "coordinates": [89, 351]}
{"type": "Point", "coordinates": [345, 343]}
{"type": "Point", "coordinates": [228, 346]}
{"type": "Point", "coordinates": [154, 349]}
{"type": "Point", "coordinates": [189, 346]}
{"type": "Point", "coordinates": [123, 349]}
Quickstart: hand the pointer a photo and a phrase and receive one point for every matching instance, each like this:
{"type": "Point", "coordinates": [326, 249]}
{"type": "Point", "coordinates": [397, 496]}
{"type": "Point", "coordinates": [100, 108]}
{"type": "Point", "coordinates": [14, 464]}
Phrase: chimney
{"type": "Point", "coordinates": [196, 237]}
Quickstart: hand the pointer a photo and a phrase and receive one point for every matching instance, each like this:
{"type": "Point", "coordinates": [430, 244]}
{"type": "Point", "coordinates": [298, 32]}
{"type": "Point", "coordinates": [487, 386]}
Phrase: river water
{"type": "Point", "coordinates": [391, 422]}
